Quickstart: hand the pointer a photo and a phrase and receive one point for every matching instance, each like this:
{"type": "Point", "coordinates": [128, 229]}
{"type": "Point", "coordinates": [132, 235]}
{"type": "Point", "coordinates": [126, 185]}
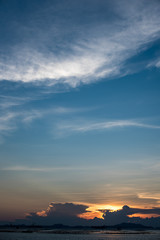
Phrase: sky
{"type": "Point", "coordinates": [79, 111]}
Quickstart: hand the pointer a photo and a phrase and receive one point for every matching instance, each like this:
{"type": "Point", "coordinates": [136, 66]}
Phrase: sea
{"type": "Point", "coordinates": [152, 235]}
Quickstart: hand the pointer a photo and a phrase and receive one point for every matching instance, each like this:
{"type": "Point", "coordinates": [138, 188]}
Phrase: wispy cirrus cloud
{"type": "Point", "coordinates": [67, 128]}
{"type": "Point", "coordinates": [147, 195]}
{"type": "Point", "coordinates": [45, 169]}
{"type": "Point", "coordinates": [10, 119]}
{"type": "Point", "coordinates": [6, 121]}
{"type": "Point", "coordinates": [8, 102]}
{"type": "Point", "coordinates": [12, 114]}
{"type": "Point", "coordinates": [100, 52]}
{"type": "Point", "coordinates": [155, 63]}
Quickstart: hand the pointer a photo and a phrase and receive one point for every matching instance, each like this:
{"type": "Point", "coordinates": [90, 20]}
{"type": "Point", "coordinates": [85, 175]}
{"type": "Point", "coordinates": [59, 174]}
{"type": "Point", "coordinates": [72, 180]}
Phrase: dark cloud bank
{"type": "Point", "coordinates": [68, 214]}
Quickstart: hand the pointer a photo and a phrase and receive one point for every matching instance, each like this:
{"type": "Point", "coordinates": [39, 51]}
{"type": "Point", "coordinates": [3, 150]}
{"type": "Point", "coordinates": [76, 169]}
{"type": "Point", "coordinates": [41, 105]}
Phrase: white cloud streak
{"type": "Point", "coordinates": [147, 195]}
{"type": "Point", "coordinates": [6, 121]}
{"type": "Point", "coordinates": [91, 57]}
{"type": "Point", "coordinates": [46, 169]}
{"type": "Point", "coordinates": [155, 63]}
{"type": "Point", "coordinates": [98, 126]}
{"type": "Point", "coordinates": [10, 119]}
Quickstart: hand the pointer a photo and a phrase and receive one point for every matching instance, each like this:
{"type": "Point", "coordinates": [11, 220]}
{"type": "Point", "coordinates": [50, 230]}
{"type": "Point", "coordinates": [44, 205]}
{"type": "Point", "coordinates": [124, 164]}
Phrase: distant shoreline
{"type": "Point", "coordinates": [78, 232]}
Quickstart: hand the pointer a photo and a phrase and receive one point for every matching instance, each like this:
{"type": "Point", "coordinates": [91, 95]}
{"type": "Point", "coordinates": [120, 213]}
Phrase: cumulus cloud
{"type": "Point", "coordinates": [100, 52]}
{"type": "Point", "coordinates": [148, 217]}
{"type": "Point", "coordinates": [70, 214]}
{"type": "Point", "coordinates": [62, 213]}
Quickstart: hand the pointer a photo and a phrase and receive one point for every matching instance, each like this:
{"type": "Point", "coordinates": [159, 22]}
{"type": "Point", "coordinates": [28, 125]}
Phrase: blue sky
{"type": "Point", "coordinates": [79, 104]}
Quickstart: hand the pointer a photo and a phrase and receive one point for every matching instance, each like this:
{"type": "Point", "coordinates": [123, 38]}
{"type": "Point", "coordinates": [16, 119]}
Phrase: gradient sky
{"type": "Point", "coordinates": [79, 104]}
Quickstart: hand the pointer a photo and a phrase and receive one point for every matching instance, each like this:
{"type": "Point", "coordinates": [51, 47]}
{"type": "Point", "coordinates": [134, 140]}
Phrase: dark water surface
{"type": "Point", "coordinates": [92, 236]}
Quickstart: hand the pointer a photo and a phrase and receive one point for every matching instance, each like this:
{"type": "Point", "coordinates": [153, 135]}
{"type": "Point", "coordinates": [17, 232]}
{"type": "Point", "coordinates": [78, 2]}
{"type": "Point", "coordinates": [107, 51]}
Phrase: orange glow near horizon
{"type": "Point", "coordinates": [42, 213]}
{"type": "Point", "coordinates": [144, 215]}
{"type": "Point", "coordinates": [109, 207]}
{"type": "Point", "coordinates": [95, 210]}
{"type": "Point", "coordinates": [91, 215]}
{"type": "Point", "coordinates": [100, 207]}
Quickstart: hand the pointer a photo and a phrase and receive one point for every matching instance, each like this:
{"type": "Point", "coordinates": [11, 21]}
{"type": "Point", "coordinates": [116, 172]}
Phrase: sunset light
{"type": "Point", "coordinates": [79, 119]}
